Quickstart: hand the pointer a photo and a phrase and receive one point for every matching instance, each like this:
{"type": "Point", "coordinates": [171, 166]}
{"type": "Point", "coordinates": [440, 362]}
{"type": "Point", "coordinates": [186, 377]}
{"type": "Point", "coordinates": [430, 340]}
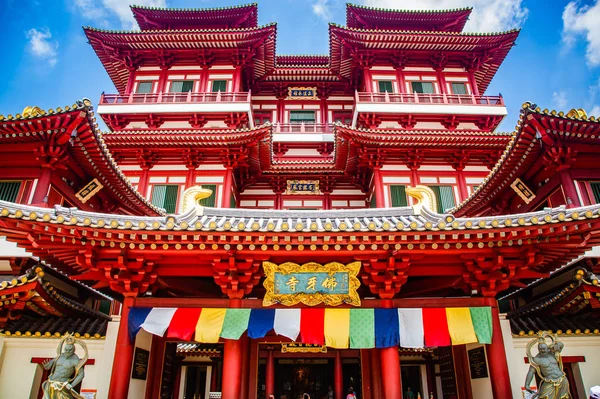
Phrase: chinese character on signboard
{"type": "Point", "coordinates": [302, 93]}
{"type": "Point", "coordinates": [302, 187]}
{"type": "Point", "coordinates": [522, 190]}
{"type": "Point", "coordinates": [89, 191]}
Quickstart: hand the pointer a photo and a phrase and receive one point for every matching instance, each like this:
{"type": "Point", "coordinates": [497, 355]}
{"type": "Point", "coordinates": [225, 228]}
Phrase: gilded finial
{"type": "Point", "coordinates": [425, 198]}
{"type": "Point", "coordinates": [578, 113]}
{"type": "Point", "coordinates": [192, 197]}
{"type": "Point", "coordinates": [32, 112]}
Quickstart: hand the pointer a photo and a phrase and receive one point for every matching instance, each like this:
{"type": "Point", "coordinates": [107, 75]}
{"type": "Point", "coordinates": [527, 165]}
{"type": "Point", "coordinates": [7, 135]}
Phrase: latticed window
{"type": "Point", "coordinates": [398, 195]}
{"type": "Point", "coordinates": [459, 88]}
{"type": "Point", "coordinates": [302, 116]}
{"type": "Point", "coordinates": [181, 86]}
{"type": "Point", "coordinates": [219, 85]}
{"type": "Point", "coordinates": [385, 86]}
{"type": "Point", "coordinates": [210, 201]}
{"type": "Point", "coordinates": [165, 196]}
{"type": "Point", "coordinates": [444, 197]}
{"type": "Point", "coordinates": [422, 87]}
{"type": "Point", "coordinates": [9, 190]}
{"type": "Point", "coordinates": [144, 88]}
{"type": "Point", "coordinates": [596, 191]}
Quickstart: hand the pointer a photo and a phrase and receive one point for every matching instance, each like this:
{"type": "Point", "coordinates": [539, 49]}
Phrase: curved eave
{"type": "Point", "coordinates": [521, 152]}
{"type": "Point", "coordinates": [87, 148]}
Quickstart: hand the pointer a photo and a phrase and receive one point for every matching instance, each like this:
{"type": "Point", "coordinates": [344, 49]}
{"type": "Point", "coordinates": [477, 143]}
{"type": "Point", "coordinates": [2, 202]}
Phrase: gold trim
{"type": "Point", "coordinates": [425, 198]}
{"type": "Point", "coordinates": [301, 348]}
{"type": "Point", "coordinates": [352, 298]}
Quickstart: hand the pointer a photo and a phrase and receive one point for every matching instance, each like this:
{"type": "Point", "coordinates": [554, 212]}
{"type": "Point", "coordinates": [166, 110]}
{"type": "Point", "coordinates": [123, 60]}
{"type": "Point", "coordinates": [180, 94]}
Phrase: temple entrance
{"type": "Point", "coordinates": [294, 377]}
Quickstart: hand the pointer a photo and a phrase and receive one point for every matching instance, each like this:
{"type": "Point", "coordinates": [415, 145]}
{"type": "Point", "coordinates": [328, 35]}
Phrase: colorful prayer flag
{"type": "Point", "coordinates": [261, 322]}
{"type": "Point", "coordinates": [435, 327]}
{"type": "Point", "coordinates": [387, 328]}
{"type": "Point", "coordinates": [136, 318]}
{"type": "Point", "coordinates": [460, 326]}
{"type": "Point", "coordinates": [312, 325]}
{"type": "Point", "coordinates": [158, 320]}
{"type": "Point", "coordinates": [235, 323]}
{"type": "Point", "coordinates": [210, 324]}
{"type": "Point", "coordinates": [287, 323]}
{"type": "Point", "coordinates": [183, 323]}
{"type": "Point", "coordinates": [337, 328]}
{"type": "Point", "coordinates": [482, 322]}
{"type": "Point", "coordinates": [411, 328]}
{"type": "Point", "coordinates": [362, 328]}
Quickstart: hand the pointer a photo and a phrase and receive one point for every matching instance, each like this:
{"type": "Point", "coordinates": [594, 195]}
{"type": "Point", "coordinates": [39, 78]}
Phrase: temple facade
{"type": "Point", "coordinates": [255, 224]}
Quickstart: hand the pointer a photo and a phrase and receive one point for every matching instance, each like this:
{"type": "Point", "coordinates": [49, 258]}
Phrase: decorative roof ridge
{"type": "Point", "coordinates": [435, 33]}
{"type": "Point", "coordinates": [37, 112]}
{"type": "Point", "coordinates": [139, 7]}
{"type": "Point", "coordinates": [447, 10]}
{"type": "Point", "coordinates": [179, 31]}
{"type": "Point", "coordinates": [78, 283]}
{"type": "Point", "coordinates": [422, 131]}
{"type": "Point", "coordinates": [526, 108]}
{"type": "Point", "coordinates": [224, 130]}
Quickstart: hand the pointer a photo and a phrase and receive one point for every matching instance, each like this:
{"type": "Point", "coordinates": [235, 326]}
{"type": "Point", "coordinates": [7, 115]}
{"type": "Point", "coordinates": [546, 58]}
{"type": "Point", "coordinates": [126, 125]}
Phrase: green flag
{"type": "Point", "coordinates": [482, 322]}
{"type": "Point", "coordinates": [236, 322]}
{"type": "Point", "coordinates": [362, 328]}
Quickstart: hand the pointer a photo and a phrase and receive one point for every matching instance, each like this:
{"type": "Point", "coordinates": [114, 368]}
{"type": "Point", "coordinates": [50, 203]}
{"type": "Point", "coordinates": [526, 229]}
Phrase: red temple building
{"type": "Point", "coordinates": [255, 224]}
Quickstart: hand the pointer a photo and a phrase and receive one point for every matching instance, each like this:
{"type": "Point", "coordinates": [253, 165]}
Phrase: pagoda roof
{"type": "Point", "coordinates": [530, 325]}
{"type": "Point", "coordinates": [288, 60]}
{"type": "Point", "coordinates": [120, 51]}
{"type": "Point", "coordinates": [56, 327]}
{"type": "Point", "coordinates": [153, 18]}
{"type": "Point", "coordinates": [43, 291]}
{"type": "Point", "coordinates": [536, 128]}
{"type": "Point", "coordinates": [76, 126]}
{"type": "Point", "coordinates": [363, 17]}
{"type": "Point", "coordinates": [482, 52]}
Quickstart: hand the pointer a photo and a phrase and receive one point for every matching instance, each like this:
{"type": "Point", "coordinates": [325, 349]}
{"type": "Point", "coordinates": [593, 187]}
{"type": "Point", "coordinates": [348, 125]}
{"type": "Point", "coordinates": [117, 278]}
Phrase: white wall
{"type": "Point", "coordinates": [482, 387]}
{"type": "Point", "coordinates": [137, 388]}
{"type": "Point", "coordinates": [588, 346]}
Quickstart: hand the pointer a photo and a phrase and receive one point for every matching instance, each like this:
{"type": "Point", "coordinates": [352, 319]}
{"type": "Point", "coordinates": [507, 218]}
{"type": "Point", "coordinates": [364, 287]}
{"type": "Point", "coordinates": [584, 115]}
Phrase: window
{"type": "Point", "coordinates": [398, 195]}
{"type": "Point", "coordinates": [181, 86]}
{"type": "Point", "coordinates": [459, 88]}
{"type": "Point", "coordinates": [165, 196]}
{"type": "Point", "coordinates": [444, 197]}
{"type": "Point", "coordinates": [261, 119]}
{"type": "Point", "coordinates": [9, 190]}
{"type": "Point", "coordinates": [345, 119]}
{"type": "Point", "coordinates": [385, 86]}
{"type": "Point", "coordinates": [302, 116]}
{"type": "Point", "coordinates": [219, 85]}
{"type": "Point", "coordinates": [210, 201]}
{"type": "Point", "coordinates": [144, 87]}
{"type": "Point", "coordinates": [422, 87]}
{"type": "Point", "coordinates": [596, 191]}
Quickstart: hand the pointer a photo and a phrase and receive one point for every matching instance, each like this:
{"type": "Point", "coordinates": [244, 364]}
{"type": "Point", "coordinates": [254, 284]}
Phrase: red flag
{"type": "Point", "coordinates": [312, 326]}
{"type": "Point", "coordinates": [435, 326]}
{"type": "Point", "coordinates": [183, 324]}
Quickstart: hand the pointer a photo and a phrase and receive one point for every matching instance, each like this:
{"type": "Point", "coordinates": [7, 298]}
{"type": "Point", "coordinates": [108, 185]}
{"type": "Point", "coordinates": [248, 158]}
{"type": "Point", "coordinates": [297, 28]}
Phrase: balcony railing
{"type": "Point", "coordinates": [429, 98]}
{"type": "Point", "coordinates": [177, 98]}
{"type": "Point", "coordinates": [302, 128]}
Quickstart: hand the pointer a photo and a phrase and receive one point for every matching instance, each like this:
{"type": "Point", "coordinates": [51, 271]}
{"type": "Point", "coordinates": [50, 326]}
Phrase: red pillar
{"type": "Point", "coordinates": [270, 374]}
{"type": "Point", "coordinates": [338, 377]}
{"type": "Point", "coordinates": [497, 357]}
{"type": "Point", "coordinates": [227, 184]}
{"type": "Point", "coordinates": [365, 366]}
{"type": "Point", "coordinates": [473, 82]}
{"type": "Point", "coordinates": [441, 81]}
{"type": "Point", "coordinates": [143, 183]}
{"type": "Point", "coordinates": [232, 364]}
{"type": "Point", "coordinates": [378, 185]}
{"type": "Point", "coordinates": [569, 189]}
{"type": "Point", "coordinates": [121, 371]}
{"type": "Point", "coordinates": [376, 377]}
{"type": "Point", "coordinates": [368, 80]}
{"type": "Point", "coordinates": [390, 366]}
{"type": "Point", "coordinates": [42, 187]}
{"type": "Point", "coordinates": [190, 179]}
{"type": "Point", "coordinates": [400, 80]}
{"type": "Point", "coordinates": [462, 185]}
{"type": "Point", "coordinates": [245, 366]}
{"type": "Point", "coordinates": [237, 79]}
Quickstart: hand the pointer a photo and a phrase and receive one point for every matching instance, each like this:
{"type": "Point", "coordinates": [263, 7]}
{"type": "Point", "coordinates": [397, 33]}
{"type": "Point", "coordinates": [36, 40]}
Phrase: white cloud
{"type": "Point", "coordinates": [321, 9]}
{"type": "Point", "coordinates": [99, 10]}
{"type": "Point", "coordinates": [582, 20]}
{"type": "Point", "coordinates": [41, 45]}
{"type": "Point", "coordinates": [487, 15]}
{"type": "Point", "coordinates": [595, 111]}
{"type": "Point", "coordinates": [560, 99]}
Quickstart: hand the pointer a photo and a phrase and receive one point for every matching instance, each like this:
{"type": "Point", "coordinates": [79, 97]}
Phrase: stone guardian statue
{"type": "Point", "coordinates": [548, 365]}
{"type": "Point", "coordinates": [66, 370]}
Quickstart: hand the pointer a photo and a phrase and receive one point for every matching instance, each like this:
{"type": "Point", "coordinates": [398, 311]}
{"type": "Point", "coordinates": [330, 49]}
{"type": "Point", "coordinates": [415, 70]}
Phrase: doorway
{"type": "Point", "coordinates": [197, 382]}
{"type": "Point", "coordinates": [411, 381]}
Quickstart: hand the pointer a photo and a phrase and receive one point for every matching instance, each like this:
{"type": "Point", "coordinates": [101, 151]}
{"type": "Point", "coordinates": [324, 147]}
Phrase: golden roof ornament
{"type": "Point", "coordinates": [192, 197]}
{"type": "Point", "coordinates": [34, 111]}
{"type": "Point", "coordinates": [425, 198]}
{"type": "Point", "coordinates": [578, 113]}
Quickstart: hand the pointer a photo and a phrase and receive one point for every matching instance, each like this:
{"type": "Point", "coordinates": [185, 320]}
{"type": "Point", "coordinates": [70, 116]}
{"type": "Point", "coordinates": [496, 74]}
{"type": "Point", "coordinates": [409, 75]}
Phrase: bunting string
{"type": "Point", "coordinates": [357, 328]}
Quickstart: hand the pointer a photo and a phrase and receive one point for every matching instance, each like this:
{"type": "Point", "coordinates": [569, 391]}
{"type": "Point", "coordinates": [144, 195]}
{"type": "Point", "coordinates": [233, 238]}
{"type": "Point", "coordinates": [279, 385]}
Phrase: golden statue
{"type": "Point", "coordinates": [66, 370]}
{"type": "Point", "coordinates": [548, 365]}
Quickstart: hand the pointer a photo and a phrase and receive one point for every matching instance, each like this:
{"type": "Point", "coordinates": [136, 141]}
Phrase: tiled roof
{"type": "Point", "coordinates": [563, 325]}
{"type": "Point", "coordinates": [52, 326]}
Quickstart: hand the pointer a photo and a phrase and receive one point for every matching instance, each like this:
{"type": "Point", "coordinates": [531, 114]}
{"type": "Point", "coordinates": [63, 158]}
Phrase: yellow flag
{"type": "Point", "coordinates": [210, 325]}
{"type": "Point", "coordinates": [460, 326]}
{"type": "Point", "coordinates": [337, 328]}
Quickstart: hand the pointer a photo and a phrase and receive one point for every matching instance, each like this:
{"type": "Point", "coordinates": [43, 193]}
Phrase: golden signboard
{"type": "Point", "coordinates": [311, 284]}
{"type": "Point", "coordinates": [89, 191]}
{"type": "Point", "coordinates": [302, 93]}
{"type": "Point", "coordinates": [294, 347]}
{"type": "Point", "coordinates": [522, 190]}
{"type": "Point", "coordinates": [303, 187]}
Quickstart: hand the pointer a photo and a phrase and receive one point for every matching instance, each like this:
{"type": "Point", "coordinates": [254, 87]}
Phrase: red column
{"type": "Point", "coordinates": [400, 80]}
{"type": "Point", "coordinates": [497, 357]}
{"type": "Point", "coordinates": [232, 364]}
{"type": "Point", "coordinates": [130, 81]}
{"type": "Point", "coordinates": [324, 110]}
{"type": "Point", "coordinates": [121, 370]}
{"type": "Point", "coordinates": [414, 176]}
{"type": "Point", "coordinates": [474, 88]}
{"type": "Point", "coordinates": [191, 176]}
{"type": "Point", "coordinates": [42, 187]}
{"type": "Point", "coordinates": [376, 377]}
{"type": "Point", "coordinates": [569, 189]}
{"type": "Point", "coordinates": [162, 80]}
{"type": "Point", "coordinates": [270, 374]}
{"type": "Point", "coordinates": [237, 79]}
{"type": "Point", "coordinates": [326, 201]}
{"type": "Point", "coordinates": [462, 184]}
{"type": "Point", "coordinates": [365, 360]}
{"type": "Point", "coordinates": [368, 80]}
{"type": "Point", "coordinates": [338, 378]}
{"type": "Point", "coordinates": [390, 366]}
{"type": "Point", "coordinates": [204, 79]}
{"type": "Point", "coordinates": [227, 184]}
{"type": "Point", "coordinates": [378, 186]}
{"type": "Point", "coordinates": [143, 184]}
{"type": "Point", "coordinates": [245, 366]}
{"type": "Point", "coordinates": [441, 81]}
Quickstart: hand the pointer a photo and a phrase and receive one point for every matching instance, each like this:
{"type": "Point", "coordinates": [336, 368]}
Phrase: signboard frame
{"type": "Point", "coordinates": [478, 363]}
{"type": "Point", "coordinates": [141, 357]}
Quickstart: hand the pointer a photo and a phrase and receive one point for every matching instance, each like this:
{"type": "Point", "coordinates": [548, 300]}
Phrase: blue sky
{"type": "Point", "coordinates": [556, 62]}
